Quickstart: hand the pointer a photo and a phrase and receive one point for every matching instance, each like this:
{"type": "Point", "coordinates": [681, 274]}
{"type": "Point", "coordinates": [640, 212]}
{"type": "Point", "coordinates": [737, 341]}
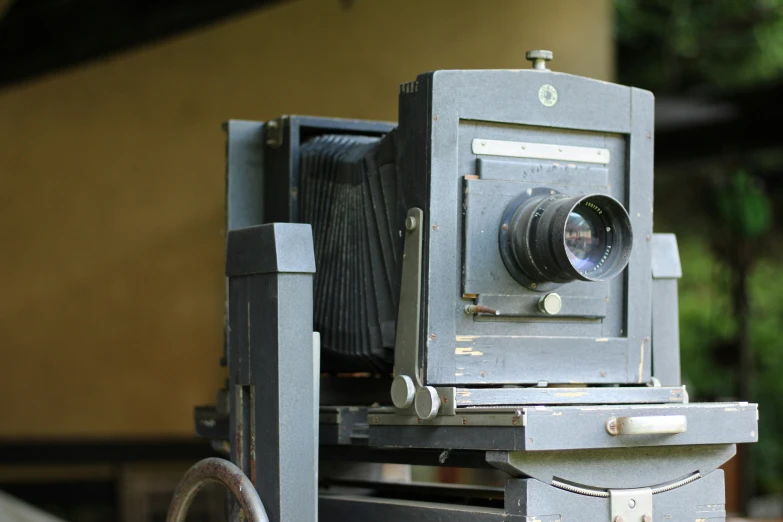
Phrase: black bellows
{"type": "Point", "coordinates": [350, 193]}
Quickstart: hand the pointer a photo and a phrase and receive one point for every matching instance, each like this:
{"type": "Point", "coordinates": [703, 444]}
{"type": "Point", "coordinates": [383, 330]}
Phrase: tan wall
{"type": "Point", "coordinates": [111, 187]}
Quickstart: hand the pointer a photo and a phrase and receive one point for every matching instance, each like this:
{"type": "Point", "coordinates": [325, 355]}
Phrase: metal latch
{"type": "Point", "coordinates": [630, 505]}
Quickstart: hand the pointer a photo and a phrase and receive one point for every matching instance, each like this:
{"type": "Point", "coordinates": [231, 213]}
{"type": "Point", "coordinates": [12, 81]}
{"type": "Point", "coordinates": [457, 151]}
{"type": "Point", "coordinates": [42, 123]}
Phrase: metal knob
{"type": "Point", "coordinates": [539, 57]}
{"type": "Point", "coordinates": [402, 391]}
{"type": "Point", "coordinates": [550, 304]}
{"type": "Point", "coordinates": [427, 402]}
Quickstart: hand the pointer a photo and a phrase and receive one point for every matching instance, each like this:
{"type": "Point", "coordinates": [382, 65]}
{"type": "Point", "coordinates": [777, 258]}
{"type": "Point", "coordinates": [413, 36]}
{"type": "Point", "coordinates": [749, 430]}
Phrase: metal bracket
{"type": "Point", "coordinates": [630, 505]}
{"type": "Point", "coordinates": [407, 379]}
{"type": "Point", "coordinates": [407, 386]}
{"type": "Point", "coordinates": [448, 400]}
{"type": "Point", "coordinates": [274, 132]}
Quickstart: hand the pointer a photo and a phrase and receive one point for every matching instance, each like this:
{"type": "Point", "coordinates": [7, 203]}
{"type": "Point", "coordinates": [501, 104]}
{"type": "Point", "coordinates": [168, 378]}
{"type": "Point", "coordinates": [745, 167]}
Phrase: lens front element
{"type": "Point", "coordinates": [583, 239]}
{"type": "Point", "coordinates": [556, 239]}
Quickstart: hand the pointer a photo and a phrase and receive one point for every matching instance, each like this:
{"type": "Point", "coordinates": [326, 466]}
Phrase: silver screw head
{"type": "Point", "coordinates": [550, 304]}
{"type": "Point", "coordinates": [646, 517]}
{"type": "Point", "coordinates": [619, 518]}
{"type": "Point", "coordinates": [611, 426]}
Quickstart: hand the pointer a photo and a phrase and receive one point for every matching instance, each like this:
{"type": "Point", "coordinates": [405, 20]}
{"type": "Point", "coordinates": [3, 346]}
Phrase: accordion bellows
{"type": "Point", "coordinates": [352, 196]}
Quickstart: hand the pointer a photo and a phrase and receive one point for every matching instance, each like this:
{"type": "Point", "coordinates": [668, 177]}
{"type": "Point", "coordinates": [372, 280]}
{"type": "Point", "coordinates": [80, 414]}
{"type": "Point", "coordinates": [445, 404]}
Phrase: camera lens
{"type": "Point", "coordinates": [584, 238]}
{"type": "Point", "coordinates": [556, 239]}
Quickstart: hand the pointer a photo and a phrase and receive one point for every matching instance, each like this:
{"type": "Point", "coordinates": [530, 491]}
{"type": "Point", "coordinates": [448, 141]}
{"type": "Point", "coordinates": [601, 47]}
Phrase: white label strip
{"type": "Point", "coordinates": [518, 149]}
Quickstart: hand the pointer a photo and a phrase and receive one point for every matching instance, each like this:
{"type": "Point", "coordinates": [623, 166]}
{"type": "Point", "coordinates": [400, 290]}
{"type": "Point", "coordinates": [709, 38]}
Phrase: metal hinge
{"type": "Point", "coordinates": [274, 132]}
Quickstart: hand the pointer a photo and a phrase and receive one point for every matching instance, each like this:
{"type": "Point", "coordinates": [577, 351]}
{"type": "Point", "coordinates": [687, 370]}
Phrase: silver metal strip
{"type": "Point", "coordinates": [513, 418]}
{"type": "Point", "coordinates": [677, 484]}
{"type": "Point", "coordinates": [602, 493]}
{"type": "Point", "coordinates": [590, 492]}
{"type": "Point", "coordinates": [518, 149]}
{"type": "Point", "coordinates": [516, 397]}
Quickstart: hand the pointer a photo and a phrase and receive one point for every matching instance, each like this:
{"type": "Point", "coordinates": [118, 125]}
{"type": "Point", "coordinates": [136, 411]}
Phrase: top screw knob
{"type": "Point", "coordinates": [539, 57]}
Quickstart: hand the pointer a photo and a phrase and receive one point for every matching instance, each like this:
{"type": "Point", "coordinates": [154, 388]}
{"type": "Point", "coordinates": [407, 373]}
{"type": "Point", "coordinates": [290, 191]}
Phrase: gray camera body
{"type": "Point", "coordinates": [482, 139]}
{"type": "Point", "coordinates": [477, 310]}
{"type": "Point", "coordinates": [476, 286]}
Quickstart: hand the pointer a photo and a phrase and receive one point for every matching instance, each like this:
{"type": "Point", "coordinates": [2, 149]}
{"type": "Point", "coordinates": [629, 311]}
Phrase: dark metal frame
{"type": "Point", "coordinates": [283, 137]}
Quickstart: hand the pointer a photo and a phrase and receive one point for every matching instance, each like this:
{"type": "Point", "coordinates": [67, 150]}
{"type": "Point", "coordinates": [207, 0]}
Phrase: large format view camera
{"type": "Point", "coordinates": [486, 291]}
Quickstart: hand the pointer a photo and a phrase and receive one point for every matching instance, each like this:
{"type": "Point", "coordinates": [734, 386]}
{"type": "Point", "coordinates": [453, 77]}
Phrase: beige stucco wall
{"type": "Point", "coordinates": [111, 187]}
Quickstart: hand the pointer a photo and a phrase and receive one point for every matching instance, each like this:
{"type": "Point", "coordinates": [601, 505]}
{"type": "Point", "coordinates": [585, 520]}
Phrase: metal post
{"type": "Point", "coordinates": [666, 270]}
{"type": "Point", "coordinates": [273, 366]}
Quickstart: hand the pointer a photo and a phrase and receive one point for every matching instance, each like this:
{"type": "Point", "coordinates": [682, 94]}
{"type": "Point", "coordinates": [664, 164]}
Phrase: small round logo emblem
{"type": "Point", "coordinates": [547, 95]}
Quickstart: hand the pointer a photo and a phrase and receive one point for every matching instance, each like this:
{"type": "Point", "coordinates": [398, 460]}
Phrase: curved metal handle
{"type": "Point", "coordinates": [223, 472]}
{"type": "Point", "coordinates": [652, 425]}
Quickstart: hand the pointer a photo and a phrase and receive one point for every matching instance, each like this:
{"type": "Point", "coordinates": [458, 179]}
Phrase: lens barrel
{"type": "Point", "coordinates": [554, 238]}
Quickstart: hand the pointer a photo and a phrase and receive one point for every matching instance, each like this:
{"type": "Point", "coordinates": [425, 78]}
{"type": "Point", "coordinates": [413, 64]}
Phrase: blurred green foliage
{"type": "Point", "coordinates": [672, 45]}
{"type": "Point", "coordinates": [706, 321]}
{"type": "Point", "coordinates": [744, 207]}
{"type": "Point", "coordinates": [725, 224]}
{"type": "Point", "coordinates": [766, 336]}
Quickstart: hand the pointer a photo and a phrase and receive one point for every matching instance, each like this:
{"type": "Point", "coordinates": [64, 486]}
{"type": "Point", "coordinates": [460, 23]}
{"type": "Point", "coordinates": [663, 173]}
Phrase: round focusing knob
{"type": "Point", "coordinates": [539, 57]}
{"type": "Point", "coordinates": [550, 304]}
{"type": "Point", "coordinates": [402, 391]}
{"type": "Point", "coordinates": [427, 402]}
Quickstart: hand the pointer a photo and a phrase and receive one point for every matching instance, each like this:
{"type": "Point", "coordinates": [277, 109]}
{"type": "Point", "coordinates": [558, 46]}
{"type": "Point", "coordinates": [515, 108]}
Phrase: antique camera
{"type": "Point", "coordinates": [485, 289]}
{"type": "Point", "coordinates": [529, 197]}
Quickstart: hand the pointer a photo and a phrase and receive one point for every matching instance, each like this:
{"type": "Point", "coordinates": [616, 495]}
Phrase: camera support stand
{"type": "Point", "coordinates": [273, 361]}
